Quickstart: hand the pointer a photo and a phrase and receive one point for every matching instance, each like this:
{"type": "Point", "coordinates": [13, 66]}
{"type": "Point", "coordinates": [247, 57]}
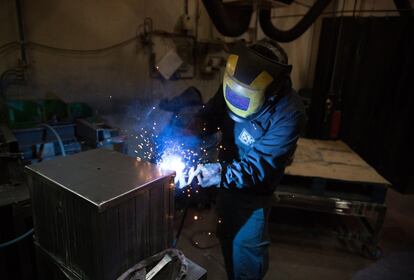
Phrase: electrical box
{"type": "Point", "coordinates": [97, 213]}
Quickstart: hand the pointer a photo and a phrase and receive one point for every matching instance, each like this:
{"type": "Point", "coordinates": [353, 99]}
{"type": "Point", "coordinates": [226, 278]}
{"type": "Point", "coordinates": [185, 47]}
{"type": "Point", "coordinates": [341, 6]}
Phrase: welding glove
{"type": "Point", "coordinates": [208, 174]}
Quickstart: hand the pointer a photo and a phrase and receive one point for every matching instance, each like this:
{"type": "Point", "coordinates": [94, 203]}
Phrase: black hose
{"type": "Point", "coordinates": [230, 20]}
{"type": "Point", "coordinates": [404, 7]}
{"type": "Point", "coordinates": [180, 228]}
{"type": "Point", "coordinates": [296, 31]}
{"type": "Point", "coordinates": [7, 73]}
{"type": "Point", "coordinates": [17, 239]}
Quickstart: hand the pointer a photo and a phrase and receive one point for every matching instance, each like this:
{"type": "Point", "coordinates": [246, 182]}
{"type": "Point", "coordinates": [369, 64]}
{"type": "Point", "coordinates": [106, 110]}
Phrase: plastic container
{"type": "Point", "coordinates": [24, 113]}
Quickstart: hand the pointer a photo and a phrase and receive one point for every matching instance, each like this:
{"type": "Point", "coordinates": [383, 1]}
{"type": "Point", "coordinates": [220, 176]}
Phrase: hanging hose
{"type": "Point", "coordinates": [296, 31]}
{"type": "Point", "coordinates": [62, 148]}
{"type": "Point", "coordinates": [229, 19]}
{"type": "Point", "coordinates": [17, 239]}
{"type": "Point", "coordinates": [404, 7]}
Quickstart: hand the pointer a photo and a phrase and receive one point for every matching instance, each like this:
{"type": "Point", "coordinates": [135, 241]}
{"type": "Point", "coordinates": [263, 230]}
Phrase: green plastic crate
{"type": "Point", "coordinates": [30, 113]}
{"type": "Point", "coordinates": [24, 113]}
{"type": "Point", "coordinates": [79, 110]}
{"type": "Point", "coordinates": [55, 110]}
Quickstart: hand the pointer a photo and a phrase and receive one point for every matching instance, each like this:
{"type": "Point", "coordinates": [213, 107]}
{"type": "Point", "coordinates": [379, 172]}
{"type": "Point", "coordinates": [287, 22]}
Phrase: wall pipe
{"type": "Point", "coordinates": [296, 31]}
{"type": "Point", "coordinates": [21, 32]}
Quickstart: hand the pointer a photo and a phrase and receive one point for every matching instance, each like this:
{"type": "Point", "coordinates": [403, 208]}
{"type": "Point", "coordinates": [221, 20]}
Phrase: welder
{"type": "Point", "coordinates": [260, 118]}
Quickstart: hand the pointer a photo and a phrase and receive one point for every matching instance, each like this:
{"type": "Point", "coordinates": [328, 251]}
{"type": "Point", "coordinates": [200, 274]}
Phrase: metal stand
{"type": "Point", "coordinates": [368, 214]}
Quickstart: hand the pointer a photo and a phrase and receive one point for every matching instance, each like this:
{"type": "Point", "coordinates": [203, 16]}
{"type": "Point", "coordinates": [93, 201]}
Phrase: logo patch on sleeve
{"type": "Point", "coordinates": [246, 138]}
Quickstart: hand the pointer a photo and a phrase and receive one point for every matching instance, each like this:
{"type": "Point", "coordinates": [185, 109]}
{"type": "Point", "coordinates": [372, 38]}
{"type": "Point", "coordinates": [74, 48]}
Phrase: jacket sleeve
{"type": "Point", "coordinates": [266, 160]}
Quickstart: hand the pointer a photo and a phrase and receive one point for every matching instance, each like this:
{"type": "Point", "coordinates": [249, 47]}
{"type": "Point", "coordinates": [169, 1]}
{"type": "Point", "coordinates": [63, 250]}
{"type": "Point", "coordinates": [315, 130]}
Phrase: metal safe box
{"type": "Point", "coordinates": [99, 212]}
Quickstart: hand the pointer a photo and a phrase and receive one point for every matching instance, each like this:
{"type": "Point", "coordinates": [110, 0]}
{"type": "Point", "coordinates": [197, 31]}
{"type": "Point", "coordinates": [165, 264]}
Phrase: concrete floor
{"type": "Point", "coordinates": [299, 256]}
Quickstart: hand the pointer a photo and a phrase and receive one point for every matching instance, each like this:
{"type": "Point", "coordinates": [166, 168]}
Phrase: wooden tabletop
{"type": "Point", "coordinates": [332, 160]}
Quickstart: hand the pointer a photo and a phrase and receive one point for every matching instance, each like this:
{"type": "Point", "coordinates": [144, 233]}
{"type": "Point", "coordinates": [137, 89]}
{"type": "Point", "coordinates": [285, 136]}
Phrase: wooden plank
{"type": "Point", "coordinates": [332, 160]}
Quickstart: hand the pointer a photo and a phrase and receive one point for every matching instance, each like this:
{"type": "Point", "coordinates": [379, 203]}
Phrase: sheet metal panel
{"type": "Point", "coordinates": [99, 212]}
{"type": "Point", "coordinates": [332, 160]}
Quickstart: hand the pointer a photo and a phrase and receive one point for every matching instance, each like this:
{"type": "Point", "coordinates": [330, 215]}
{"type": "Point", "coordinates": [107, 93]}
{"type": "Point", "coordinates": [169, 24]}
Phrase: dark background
{"type": "Point", "coordinates": [365, 69]}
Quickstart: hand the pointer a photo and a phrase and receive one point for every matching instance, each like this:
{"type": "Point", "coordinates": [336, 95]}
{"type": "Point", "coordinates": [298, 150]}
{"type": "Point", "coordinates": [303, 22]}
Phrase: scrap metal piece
{"type": "Point", "coordinates": [94, 133]}
{"type": "Point", "coordinates": [163, 262]}
{"type": "Point", "coordinates": [178, 271]}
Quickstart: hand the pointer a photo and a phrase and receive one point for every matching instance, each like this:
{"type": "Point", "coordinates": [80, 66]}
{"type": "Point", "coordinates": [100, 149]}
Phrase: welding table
{"type": "Point", "coordinates": [329, 178]}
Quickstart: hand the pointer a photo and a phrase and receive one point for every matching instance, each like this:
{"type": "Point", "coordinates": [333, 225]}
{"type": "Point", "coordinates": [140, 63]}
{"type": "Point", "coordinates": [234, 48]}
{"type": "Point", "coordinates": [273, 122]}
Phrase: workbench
{"type": "Point", "coordinates": [328, 177]}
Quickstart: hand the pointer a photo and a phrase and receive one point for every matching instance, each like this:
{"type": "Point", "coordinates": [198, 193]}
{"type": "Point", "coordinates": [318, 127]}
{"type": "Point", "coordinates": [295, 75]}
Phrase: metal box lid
{"type": "Point", "coordinates": [101, 176]}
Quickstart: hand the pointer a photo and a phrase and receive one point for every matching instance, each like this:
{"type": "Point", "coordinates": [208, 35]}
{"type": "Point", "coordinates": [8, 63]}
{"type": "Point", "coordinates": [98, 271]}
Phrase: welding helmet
{"type": "Point", "coordinates": [252, 76]}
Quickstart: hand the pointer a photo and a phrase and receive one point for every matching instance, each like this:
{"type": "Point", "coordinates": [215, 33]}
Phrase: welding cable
{"type": "Point", "coordinates": [187, 205]}
{"type": "Point", "coordinates": [17, 239]}
{"type": "Point", "coordinates": [372, 11]}
{"type": "Point", "coordinates": [105, 49]}
{"type": "Point", "coordinates": [62, 148]}
{"type": "Point", "coordinates": [79, 51]}
{"type": "Point", "coordinates": [8, 73]}
{"type": "Point", "coordinates": [9, 46]}
{"type": "Point", "coordinates": [7, 78]}
{"type": "Point", "coordinates": [138, 37]}
{"type": "Point", "coordinates": [180, 228]}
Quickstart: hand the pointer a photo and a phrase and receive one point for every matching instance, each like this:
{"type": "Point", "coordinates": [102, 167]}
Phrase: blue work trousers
{"type": "Point", "coordinates": [243, 234]}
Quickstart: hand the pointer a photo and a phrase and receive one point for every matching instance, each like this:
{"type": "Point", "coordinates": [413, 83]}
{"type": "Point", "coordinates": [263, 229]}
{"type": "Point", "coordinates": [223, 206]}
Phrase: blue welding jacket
{"type": "Point", "coordinates": [254, 153]}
